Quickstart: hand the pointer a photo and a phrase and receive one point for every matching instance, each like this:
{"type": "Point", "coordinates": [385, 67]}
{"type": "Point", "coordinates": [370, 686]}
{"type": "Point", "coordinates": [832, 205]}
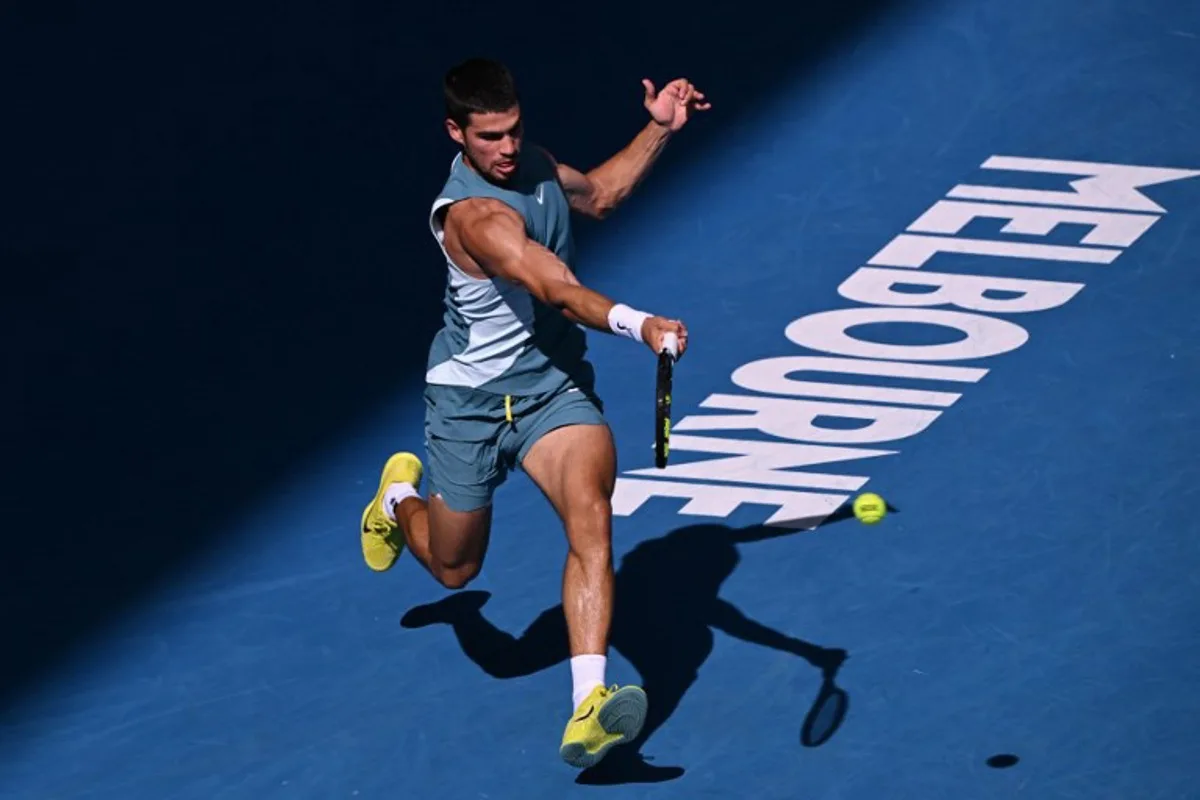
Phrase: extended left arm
{"type": "Point", "coordinates": [597, 192]}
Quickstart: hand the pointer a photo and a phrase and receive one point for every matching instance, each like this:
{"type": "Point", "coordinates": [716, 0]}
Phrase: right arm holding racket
{"type": "Point", "coordinates": [493, 235]}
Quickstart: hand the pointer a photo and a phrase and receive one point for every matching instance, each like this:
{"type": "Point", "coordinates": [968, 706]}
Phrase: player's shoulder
{"type": "Point", "coordinates": [481, 206]}
{"type": "Point", "coordinates": [471, 212]}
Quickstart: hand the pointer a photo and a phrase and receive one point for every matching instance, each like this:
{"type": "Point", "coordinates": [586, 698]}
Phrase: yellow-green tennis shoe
{"type": "Point", "coordinates": [382, 539]}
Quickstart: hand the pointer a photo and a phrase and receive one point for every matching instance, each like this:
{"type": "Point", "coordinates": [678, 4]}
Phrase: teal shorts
{"type": "Point", "coordinates": [472, 441]}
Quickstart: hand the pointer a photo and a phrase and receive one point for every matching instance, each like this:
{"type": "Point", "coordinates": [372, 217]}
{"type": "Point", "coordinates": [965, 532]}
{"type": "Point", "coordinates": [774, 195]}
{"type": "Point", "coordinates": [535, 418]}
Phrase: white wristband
{"type": "Point", "coordinates": [626, 321]}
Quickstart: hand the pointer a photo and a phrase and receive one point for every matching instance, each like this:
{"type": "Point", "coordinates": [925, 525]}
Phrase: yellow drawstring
{"type": "Point", "coordinates": [508, 408]}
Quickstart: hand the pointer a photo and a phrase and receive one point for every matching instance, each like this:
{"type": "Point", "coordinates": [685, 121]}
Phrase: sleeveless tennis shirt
{"type": "Point", "coordinates": [496, 337]}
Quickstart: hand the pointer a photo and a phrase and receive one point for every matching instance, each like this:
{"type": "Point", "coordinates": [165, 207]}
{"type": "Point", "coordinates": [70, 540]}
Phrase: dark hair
{"type": "Point", "coordinates": [480, 86]}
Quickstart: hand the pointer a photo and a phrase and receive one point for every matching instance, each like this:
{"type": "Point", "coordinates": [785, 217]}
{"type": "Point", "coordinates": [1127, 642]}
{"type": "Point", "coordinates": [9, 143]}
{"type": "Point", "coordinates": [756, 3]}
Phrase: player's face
{"type": "Point", "coordinates": [492, 142]}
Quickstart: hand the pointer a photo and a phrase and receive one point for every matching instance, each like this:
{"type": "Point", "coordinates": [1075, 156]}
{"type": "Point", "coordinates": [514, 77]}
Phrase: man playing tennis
{"type": "Point", "coordinates": [508, 385]}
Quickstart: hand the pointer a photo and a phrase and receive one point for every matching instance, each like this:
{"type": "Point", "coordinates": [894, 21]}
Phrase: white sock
{"type": "Point", "coordinates": [587, 672]}
{"type": "Point", "coordinates": [394, 495]}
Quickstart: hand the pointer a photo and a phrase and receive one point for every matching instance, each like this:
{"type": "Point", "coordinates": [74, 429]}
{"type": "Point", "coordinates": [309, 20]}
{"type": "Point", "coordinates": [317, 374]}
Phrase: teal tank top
{"type": "Point", "coordinates": [496, 337]}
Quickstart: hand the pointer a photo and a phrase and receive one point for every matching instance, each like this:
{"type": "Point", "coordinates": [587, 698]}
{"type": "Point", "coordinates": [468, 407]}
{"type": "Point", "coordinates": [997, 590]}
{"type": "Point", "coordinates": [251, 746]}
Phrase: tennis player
{"type": "Point", "coordinates": [508, 385]}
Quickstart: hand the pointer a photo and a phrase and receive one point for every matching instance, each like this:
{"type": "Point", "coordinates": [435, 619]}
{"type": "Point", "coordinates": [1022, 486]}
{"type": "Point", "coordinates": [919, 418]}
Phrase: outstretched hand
{"type": "Point", "coordinates": [673, 106]}
{"type": "Point", "coordinates": [655, 330]}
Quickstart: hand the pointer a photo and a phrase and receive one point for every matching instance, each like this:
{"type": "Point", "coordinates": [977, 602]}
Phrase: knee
{"type": "Point", "coordinates": [593, 512]}
{"type": "Point", "coordinates": [456, 576]}
{"type": "Point", "coordinates": [589, 527]}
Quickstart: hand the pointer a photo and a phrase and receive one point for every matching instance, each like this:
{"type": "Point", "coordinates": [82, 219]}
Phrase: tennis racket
{"type": "Point", "coordinates": [662, 399]}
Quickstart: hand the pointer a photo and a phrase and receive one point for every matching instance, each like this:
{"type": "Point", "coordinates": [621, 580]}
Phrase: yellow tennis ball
{"type": "Point", "coordinates": [869, 508]}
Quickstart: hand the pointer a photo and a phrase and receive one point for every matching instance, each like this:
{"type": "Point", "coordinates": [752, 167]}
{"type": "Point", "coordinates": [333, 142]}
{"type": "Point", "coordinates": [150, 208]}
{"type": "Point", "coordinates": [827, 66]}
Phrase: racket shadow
{"type": "Point", "coordinates": [826, 715]}
{"type": "Point", "coordinates": [669, 606]}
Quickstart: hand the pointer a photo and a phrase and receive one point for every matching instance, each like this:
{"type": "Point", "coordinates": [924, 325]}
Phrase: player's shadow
{"type": "Point", "coordinates": [668, 603]}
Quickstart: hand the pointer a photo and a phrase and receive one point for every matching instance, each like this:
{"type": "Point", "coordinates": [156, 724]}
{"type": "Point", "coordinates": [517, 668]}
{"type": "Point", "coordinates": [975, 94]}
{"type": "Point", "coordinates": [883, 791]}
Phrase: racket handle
{"type": "Point", "coordinates": [671, 344]}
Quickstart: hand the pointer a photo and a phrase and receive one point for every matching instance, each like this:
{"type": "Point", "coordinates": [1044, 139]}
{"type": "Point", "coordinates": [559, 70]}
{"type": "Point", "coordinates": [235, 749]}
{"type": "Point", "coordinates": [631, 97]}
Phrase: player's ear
{"type": "Point", "coordinates": [456, 133]}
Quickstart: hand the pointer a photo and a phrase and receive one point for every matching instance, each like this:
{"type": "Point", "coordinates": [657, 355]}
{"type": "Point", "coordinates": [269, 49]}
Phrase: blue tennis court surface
{"type": "Point", "coordinates": [1033, 425]}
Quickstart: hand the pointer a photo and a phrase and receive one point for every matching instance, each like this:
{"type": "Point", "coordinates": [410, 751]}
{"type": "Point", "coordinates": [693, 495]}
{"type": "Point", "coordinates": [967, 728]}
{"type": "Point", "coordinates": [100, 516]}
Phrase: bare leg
{"type": "Point", "coordinates": [575, 466]}
{"type": "Point", "coordinates": [450, 544]}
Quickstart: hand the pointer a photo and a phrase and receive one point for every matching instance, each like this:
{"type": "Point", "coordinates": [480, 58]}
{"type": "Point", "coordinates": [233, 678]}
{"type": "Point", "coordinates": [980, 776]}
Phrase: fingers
{"type": "Point", "coordinates": [681, 90]}
{"type": "Point", "coordinates": [681, 334]}
{"type": "Point", "coordinates": [696, 99]}
{"type": "Point", "coordinates": [681, 93]}
{"type": "Point", "coordinates": [672, 337]}
{"type": "Point", "coordinates": [686, 94]}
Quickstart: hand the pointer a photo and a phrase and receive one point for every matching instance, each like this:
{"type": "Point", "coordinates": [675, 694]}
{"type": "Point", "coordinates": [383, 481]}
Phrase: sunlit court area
{"type": "Point", "coordinates": [938, 254]}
